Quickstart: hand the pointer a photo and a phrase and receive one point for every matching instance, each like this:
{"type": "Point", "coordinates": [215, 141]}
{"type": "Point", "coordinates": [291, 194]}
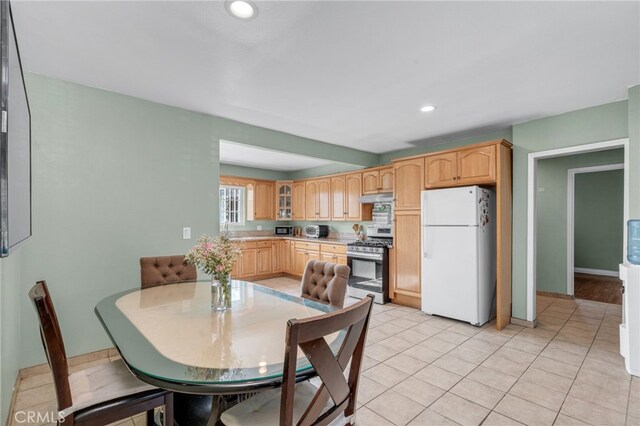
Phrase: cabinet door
{"type": "Point", "coordinates": [300, 261]}
{"type": "Point", "coordinates": [370, 182]}
{"type": "Point", "coordinates": [440, 170]}
{"type": "Point", "coordinates": [408, 253]}
{"type": "Point", "coordinates": [477, 165]}
{"type": "Point", "coordinates": [324, 199]}
{"type": "Point", "coordinates": [311, 200]}
{"type": "Point", "coordinates": [249, 262]}
{"type": "Point", "coordinates": [408, 181]}
{"type": "Point", "coordinates": [236, 270]}
{"type": "Point", "coordinates": [276, 256]}
{"type": "Point", "coordinates": [327, 257]}
{"type": "Point", "coordinates": [313, 255]}
{"type": "Point", "coordinates": [283, 200]}
{"type": "Point", "coordinates": [353, 208]}
{"type": "Point", "coordinates": [264, 261]}
{"type": "Point", "coordinates": [263, 200]}
{"type": "Point", "coordinates": [340, 259]}
{"type": "Point", "coordinates": [337, 198]}
{"type": "Point", "coordinates": [298, 201]}
{"type": "Point", "coordinates": [386, 179]}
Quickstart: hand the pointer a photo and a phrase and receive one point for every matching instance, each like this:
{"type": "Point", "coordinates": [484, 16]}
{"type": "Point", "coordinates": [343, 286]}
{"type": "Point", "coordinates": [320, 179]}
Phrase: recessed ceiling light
{"type": "Point", "coordinates": [427, 108]}
{"type": "Point", "coordinates": [242, 9]}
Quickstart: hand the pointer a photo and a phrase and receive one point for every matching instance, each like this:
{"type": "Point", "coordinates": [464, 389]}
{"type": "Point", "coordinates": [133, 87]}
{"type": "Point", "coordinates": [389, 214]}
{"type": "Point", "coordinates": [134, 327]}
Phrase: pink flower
{"type": "Point", "coordinates": [219, 268]}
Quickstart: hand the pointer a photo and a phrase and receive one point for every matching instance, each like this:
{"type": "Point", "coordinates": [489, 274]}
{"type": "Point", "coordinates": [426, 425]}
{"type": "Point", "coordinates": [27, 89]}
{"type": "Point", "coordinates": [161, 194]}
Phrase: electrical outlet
{"type": "Point", "coordinates": [259, 227]}
{"type": "Point", "coordinates": [186, 233]}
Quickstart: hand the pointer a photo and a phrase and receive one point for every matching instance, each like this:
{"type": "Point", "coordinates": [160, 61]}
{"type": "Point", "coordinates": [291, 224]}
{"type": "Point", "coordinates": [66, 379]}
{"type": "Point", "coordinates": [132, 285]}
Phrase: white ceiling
{"type": "Point", "coordinates": [348, 73]}
{"type": "Point", "coordinates": [251, 156]}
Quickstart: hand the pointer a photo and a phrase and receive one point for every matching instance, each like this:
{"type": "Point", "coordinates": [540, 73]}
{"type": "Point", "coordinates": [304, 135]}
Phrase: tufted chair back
{"type": "Point", "coordinates": [325, 282]}
{"type": "Point", "coordinates": [165, 270]}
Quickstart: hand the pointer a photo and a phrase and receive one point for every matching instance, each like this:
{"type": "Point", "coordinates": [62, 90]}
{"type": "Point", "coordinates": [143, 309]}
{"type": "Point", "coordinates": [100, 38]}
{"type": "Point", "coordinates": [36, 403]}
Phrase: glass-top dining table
{"type": "Point", "coordinates": [171, 338]}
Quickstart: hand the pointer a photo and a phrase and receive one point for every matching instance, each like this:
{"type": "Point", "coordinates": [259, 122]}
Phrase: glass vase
{"type": "Point", "coordinates": [220, 292]}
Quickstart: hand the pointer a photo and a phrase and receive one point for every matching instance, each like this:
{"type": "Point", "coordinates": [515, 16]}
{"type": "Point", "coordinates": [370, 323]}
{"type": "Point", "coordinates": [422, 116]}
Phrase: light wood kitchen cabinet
{"type": "Point", "coordinates": [377, 180]}
{"type": "Point", "coordinates": [284, 200]}
{"type": "Point", "coordinates": [249, 262]}
{"type": "Point", "coordinates": [461, 167]}
{"type": "Point", "coordinates": [477, 165]}
{"type": "Point", "coordinates": [408, 183]}
{"type": "Point", "coordinates": [264, 256]}
{"type": "Point", "coordinates": [441, 170]}
{"type": "Point", "coordinates": [263, 199]}
{"type": "Point", "coordinates": [386, 179]}
{"type": "Point", "coordinates": [279, 256]}
{"type": "Point", "coordinates": [289, 248]}
{"type": "Point", "coordinates": [408, 257]}
{"type": "Point", "coordinates": [346, 191]}
{"type": "Point", "coordinates": [317, 199]}
{"type": "Point", "coordinates": [304, 252]}
{"type": "Point", "coordinates": [338, 194]}
{"type": "Point", "coordinates": [298, 201]}
{"type": "Point", "coordinates": [339, 259]}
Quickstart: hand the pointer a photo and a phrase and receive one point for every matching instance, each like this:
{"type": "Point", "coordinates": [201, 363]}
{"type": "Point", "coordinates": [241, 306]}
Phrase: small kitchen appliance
{"type": "Point", "coordinates": [283, 231]}
{"type": "Point", "coordinates": [316, 231]}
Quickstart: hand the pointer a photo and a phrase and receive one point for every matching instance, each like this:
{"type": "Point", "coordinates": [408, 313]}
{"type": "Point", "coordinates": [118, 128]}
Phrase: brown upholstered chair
{"type": "Point", "coordinates": [325, 282]}
{"type": "Point", "coordinates": [334, 402]}
{"type": "Point", "coordinates": [165, 270]}
{"type": "Point", "coordinates": [99, 395]}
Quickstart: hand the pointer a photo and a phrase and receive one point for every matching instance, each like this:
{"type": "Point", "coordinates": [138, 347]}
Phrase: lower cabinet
{"type": "Point", "coordinates": [264, 257]}
{"type": "Point", "coordinates": [249, 262]}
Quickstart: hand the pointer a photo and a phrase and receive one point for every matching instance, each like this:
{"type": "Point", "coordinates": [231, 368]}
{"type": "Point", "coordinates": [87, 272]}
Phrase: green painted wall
{"type": "Point", "coordinates": [599, 217]}
{"type": "Point", "coordinates": [11, 296]}
{"type": "Point", "coordinates": [633, 116]}
{"type": "Point", "coordinates": [595, 124]}
{"type": "Point", "coordinates": [551, 268]}
{"type": "Point", "coordinates": [328, 169]}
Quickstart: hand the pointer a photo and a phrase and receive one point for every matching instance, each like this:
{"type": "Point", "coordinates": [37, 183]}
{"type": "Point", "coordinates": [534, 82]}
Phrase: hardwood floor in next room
{"type": "Point", "coordinates": [598, 288]}
{"type": "Point", "coordinates": [424, 370]}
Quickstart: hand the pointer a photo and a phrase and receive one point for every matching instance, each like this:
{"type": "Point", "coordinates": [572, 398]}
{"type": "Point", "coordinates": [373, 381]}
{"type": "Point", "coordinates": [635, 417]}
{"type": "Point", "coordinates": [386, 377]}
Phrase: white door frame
{"type": "Point", "coordinates": [531, 204]}
{"type": "Point", "coordinates": [571, 185]}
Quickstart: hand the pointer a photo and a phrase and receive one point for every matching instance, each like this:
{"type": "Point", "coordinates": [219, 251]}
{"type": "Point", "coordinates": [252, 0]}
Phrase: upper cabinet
{"type": "Point", "coordinates": [441, 170]}
{"type": "Point", "coordinates": [284, 200]}
{"type": "Point", "coordinates": [298, 201]}
{"type": "Point", "coordinates": [346, 191]}
{"type": "Point", "coordinates": [408, 183]}
{"type": "Point", "coordinates": [377, 180]}
{"type": "Point", "coordinates": [317, 199]}
{"type": "Point", "coordinates": [470, 166]}
{"type": "Point", "coordinates": [477, 165]}
{"type": "Point", "coordinates": [263, 199]}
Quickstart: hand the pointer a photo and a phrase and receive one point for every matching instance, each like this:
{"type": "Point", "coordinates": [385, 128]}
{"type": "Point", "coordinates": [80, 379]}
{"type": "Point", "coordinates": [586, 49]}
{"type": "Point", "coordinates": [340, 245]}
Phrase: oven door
{"type": "Point", "coordinates": [367, 272]}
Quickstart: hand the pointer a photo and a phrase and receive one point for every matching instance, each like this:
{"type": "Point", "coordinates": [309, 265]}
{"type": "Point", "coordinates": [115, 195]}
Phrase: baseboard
{"type": "Point", "coordinates": [524, 323]}
{"type": "Point", "coordinates": [72, 361]}
{"type": "Point", "coordinates": [12, 404]}
{"type": "Point", "coordinates": [603, 272]}
{"type": "Point", "coordinates": [556, 295]}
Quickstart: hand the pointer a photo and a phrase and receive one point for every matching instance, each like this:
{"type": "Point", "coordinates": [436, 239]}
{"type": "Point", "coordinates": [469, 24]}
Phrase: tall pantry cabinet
{"type": "Point", "coordinates": [486, 164]}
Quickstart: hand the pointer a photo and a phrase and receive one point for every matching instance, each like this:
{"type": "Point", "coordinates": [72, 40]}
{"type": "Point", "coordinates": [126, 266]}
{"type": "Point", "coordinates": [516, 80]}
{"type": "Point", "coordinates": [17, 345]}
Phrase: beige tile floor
{"type": "Point", "coordinates": [424, 370]}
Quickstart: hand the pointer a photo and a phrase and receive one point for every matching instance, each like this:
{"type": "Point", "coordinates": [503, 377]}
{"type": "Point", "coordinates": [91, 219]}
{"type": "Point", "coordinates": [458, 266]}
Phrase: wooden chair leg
{"type": "Point", "coordinates": [150, 417]}
{"type": "Point", "coordinates": [168, 409]}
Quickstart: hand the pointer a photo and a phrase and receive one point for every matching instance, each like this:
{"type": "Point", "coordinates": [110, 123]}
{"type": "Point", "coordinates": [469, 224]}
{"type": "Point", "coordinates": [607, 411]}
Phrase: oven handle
{"type": "Point", "coordinates": [364, 256]}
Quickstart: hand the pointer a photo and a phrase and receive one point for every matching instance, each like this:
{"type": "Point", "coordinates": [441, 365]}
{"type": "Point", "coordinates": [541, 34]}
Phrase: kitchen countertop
{"type": "Point", "coordinates": [309, 240]}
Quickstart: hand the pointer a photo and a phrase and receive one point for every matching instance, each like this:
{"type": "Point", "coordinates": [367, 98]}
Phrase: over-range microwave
{"type": "Point", "coordinates": [283, 231]}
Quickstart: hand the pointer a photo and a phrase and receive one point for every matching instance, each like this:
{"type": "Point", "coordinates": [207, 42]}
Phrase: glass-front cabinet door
{"type": "Point", "coordinates": [284, 200]}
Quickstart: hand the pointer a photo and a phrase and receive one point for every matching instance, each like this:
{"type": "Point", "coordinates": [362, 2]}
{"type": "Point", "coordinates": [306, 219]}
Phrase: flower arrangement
{"type": "Point", "coordinates": [215, 256]}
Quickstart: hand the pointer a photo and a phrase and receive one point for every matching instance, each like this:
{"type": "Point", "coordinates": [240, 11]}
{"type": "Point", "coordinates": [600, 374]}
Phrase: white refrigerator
{"type": "Point", "coordinates": [458, 253]}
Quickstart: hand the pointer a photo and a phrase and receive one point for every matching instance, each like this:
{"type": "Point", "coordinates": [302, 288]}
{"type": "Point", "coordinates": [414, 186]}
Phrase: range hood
{"type": "Point", "coordinates": [385, 197]}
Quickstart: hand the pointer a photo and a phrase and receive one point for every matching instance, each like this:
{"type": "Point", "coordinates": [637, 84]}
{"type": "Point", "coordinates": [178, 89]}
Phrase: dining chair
{"type": "Point", "coordinates": [325, 282]}
{"type": "Point", "coordinates": [334, 401]}
{"type": "Point", "coordinates": [165, 270]}
{"type": "Point", "coordinates": [99, 395]}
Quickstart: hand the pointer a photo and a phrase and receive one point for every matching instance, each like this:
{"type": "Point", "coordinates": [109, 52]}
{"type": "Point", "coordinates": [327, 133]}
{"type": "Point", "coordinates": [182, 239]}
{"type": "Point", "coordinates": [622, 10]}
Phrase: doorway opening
{"type": "Point", "coordinates": [533, 193]}
{"type": "Point", "coordinates": [595, 202]}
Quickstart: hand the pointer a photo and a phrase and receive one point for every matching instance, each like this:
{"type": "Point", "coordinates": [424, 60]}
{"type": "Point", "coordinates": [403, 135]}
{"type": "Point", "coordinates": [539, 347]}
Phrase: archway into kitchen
{"type": "Point", "coordinates": [548, 267]}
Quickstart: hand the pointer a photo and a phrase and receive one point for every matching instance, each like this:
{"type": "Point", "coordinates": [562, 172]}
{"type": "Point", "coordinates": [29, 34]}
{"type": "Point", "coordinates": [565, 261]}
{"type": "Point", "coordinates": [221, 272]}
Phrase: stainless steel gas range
{"type": "Point", "coordinates": [369, 263]}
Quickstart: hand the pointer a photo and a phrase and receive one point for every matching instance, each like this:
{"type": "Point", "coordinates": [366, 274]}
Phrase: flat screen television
{"type": "Point", "coordinates": [15, 141]}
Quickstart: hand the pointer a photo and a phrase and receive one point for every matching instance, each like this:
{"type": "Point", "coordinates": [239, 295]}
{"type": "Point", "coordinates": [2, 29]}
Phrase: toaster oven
{"type": "Point", "coordinates": [316, 231]}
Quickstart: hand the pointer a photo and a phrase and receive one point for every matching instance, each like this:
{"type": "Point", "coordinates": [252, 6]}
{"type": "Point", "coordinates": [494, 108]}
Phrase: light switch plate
{"type": "Point", "coordinates": [259, 227]}
{"type": "Point", "coordinates": [186, 233]}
